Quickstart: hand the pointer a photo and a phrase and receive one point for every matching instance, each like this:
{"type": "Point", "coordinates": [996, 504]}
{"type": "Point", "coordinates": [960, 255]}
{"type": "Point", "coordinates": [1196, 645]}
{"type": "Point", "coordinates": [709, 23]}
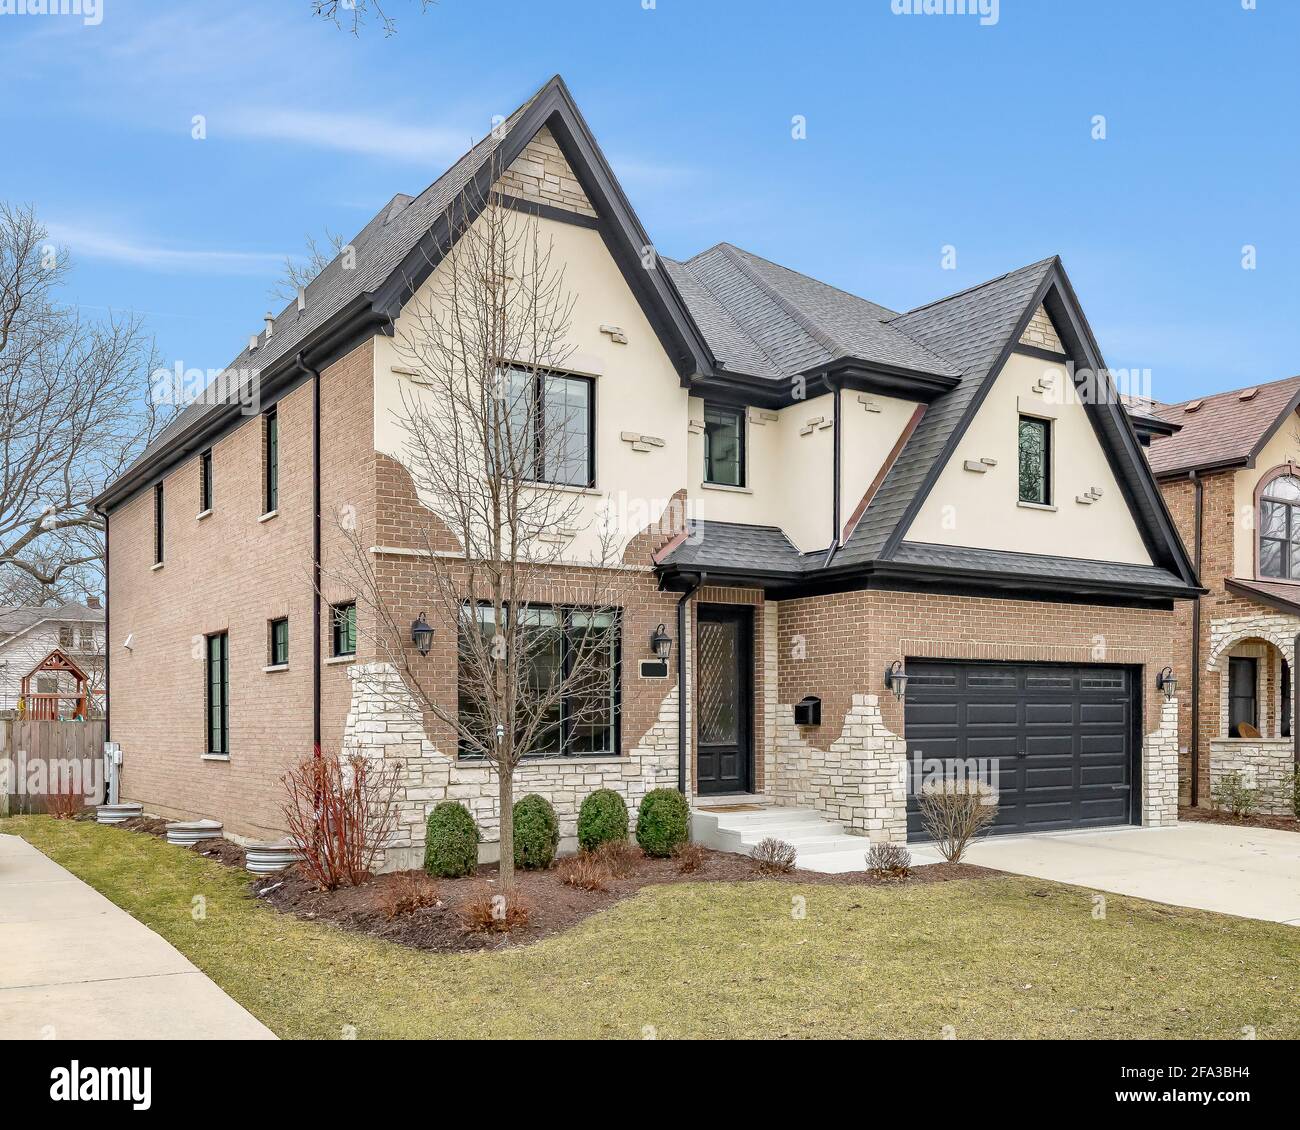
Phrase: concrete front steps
{"type": "Point", "coordinates": [822, 844]}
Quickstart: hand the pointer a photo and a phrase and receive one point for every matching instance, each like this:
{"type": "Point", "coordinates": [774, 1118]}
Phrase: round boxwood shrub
{"type": "Point", "coordinates": [602, 818]}
{"type": "Point", "coordinates": [537, 833]}
{"type": "Point", "coordinates": [451, 841]}
{"type": "Point", "coordinates": [662, 822]}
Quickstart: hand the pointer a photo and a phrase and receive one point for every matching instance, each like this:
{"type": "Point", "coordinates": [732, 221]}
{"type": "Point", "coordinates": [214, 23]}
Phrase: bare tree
{"type": "Point", "coordinates": [299, 272]}
{"type": "Point", "coordinates": [75, 409]}
{"type": "Point", "coordinates": [351, 14]}
{"type": "Point", "coordinates": [496, 445]}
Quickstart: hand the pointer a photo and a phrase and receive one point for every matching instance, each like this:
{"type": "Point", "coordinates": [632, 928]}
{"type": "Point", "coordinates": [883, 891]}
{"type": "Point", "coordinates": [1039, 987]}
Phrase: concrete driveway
{"type": "Point", "coordinates": [1250, 872]}
{"type": "Point", "coordinates": [74, 966]}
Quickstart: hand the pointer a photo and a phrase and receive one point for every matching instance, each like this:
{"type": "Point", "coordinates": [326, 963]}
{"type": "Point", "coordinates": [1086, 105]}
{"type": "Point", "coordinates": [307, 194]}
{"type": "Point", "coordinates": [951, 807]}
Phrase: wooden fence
{"type": "Point", "coordinates": [43, 757]}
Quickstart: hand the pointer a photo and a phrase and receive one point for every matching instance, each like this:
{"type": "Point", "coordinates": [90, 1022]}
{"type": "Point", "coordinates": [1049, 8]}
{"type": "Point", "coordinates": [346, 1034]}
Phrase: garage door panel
{"type": "Point", "coordinates": [1060, 737]}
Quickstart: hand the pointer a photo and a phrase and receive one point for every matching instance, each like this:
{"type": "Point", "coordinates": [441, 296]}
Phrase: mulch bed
{"type": "Point", "coordinates": [1210, 816]}
{"type": "Point", "coordinates": [553, 906]}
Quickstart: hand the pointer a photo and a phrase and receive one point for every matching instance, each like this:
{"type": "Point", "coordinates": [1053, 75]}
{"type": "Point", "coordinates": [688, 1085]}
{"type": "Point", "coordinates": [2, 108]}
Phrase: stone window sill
{"type": "Point", "coordinates": [1036, 506]}
{"type": "Point", "coordinates": [274, 667]}
{"type": "Point", "coordinates": [1252, 741]}
{"type": "Point", "coordinates": [726, 487]}
{"type": "Point", "coordinates": [269, 515]}
{"type": "Point", "coordinates": [155, 566]}
{"type": "Point", "coordinates": [216, 757]}
{"type": "Point", "coordinates": [586, 759]}
{"type": "Point", "coordinates": [203, 514]}
{"type": "Point", "coordinates": [334, 661]}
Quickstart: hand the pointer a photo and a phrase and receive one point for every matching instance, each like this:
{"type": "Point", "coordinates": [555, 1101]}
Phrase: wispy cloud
{"type": "Point", "coordinates": [118, 248]}
{"type": "Point", "coordinates": [369, 135]}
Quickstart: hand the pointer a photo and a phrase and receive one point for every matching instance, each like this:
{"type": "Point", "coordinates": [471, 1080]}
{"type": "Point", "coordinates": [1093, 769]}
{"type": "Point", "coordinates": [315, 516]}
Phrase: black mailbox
{"type": "Point", "coordinates": [808, 711]}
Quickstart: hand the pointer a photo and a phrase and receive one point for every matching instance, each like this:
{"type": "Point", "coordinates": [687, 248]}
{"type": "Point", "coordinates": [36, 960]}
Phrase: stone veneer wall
{"type": "Point", "coordinates": [385, 724]}
{"type": "Point", "coordinates": [1262, 763]}
{"type": "Point", "coordinates": [861, 779]}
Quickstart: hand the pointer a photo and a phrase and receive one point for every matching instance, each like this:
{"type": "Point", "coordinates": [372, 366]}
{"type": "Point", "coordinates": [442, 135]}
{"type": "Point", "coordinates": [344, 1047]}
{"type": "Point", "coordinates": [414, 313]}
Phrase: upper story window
{"type": "Point", "coordinates": [1279, 528]}
{"type": "Point", "coordinates": [158, 524]}
{"type": "Point", "coordinates": [552, 427]}
{"type": "Point", "coordinates": [271, 476]}
{"type": "Point", "coordinates": [65, 636]}
{"type": "Point", "coordinates": [724, 445]}
{"type": "Point", "coordinates": [279, 641]}
{"type": "Point", "coordinates": [205, 482]}
{"type": "Point", "coordinates": [1035, 461]}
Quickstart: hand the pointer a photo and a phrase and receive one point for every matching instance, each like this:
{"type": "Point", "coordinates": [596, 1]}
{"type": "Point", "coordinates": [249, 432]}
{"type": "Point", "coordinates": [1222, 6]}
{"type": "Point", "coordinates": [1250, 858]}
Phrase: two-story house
{"type": "Point", "coordinates": [30, 634]}
{"type": "Point", "coordinates": [904, 521]}
{"type": "Point", "coordinates": [1229, 467]}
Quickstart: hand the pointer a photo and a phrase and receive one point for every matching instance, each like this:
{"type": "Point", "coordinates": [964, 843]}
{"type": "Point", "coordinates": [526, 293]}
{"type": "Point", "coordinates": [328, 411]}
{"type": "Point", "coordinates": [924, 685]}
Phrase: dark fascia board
{"type": "Point", "coordinates": [1153, 425]}
{"type": "Point", "coordinates": [1292, 607]}
{"type": "Point", "coordinates": [1216, 465]}
{"type": "Point", "coordinates": [1288, 411]}
{"type": "Point", "coordinates": [1136, 482]}
{"type": "Point", "coordinates": [899, 577]}
{"type": "Point", "coordinates": [849, 373]}
{"type": "Point", "coordinates": [1041, 353]}
{"type": "Point", "coordinates": [355, 323]}
{"type": "Point", "coordinates": [914, 504]}
{"type": "Point", "coordinates": [618, 225]}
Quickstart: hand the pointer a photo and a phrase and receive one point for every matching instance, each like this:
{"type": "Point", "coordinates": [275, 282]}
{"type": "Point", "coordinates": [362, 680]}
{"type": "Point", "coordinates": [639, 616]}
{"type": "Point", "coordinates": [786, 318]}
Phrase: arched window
{"type": "Point", "coordinates": [1279, 528]}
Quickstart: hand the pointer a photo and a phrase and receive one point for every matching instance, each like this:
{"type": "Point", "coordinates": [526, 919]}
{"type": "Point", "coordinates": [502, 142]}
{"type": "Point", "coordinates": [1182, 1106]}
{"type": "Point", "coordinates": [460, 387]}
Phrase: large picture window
{"type": "Point", "coordinates": [552, 427]}
{"type": "Point", "coordinates": [572, 647]}
{"type": "Point", "coordinates": [724, 445]}
{"type": "Point", "coordinates": [1035, 461]}
{"type": "Point", "coordinates": [1279, 528]}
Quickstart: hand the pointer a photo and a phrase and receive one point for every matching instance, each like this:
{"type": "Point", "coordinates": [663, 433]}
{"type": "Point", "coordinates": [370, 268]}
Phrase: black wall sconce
{"type": "Point", "coordinates": [808, 711]}
{"type": "Point", "coordinates": [422, 635]}
{"type": "Point", "coordinates": [1166, 682]}
{"type": "Point", "coordinates": [896, 679]}
{"type": "Point", "coordinates": [661, 643]}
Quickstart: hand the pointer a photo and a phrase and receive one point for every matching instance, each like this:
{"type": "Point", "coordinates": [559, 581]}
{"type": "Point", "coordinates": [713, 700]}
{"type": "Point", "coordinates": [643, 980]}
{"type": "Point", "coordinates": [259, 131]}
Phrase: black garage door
{"type": "Point", "coordinates": [1060, 737]}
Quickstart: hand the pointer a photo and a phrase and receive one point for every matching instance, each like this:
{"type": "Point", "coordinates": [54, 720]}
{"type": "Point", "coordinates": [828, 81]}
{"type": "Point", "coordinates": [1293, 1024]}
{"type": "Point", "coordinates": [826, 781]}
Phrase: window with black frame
{"type": "Point", "coordinates": [1279, 529]}
{"type": "Point", "coordinates": [1035, 461]}
{"type": "Point", "coordinates": [1243, 705]}
{"type": "Point", "coordinates": [724, 445]}
{"type": "Point", "coordinates": [551, 427]}
{"type": "Point", "coordinates": [572, 649]}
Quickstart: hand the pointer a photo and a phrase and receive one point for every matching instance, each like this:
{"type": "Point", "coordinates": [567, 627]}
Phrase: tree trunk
{"type": "Point", "coordinates": [505, 799]}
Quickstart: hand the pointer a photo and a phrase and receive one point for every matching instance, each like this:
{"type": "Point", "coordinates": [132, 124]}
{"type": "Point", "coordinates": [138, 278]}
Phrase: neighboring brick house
{"type": "Point", "coordinates": [30, 634]}
{"type": "Point", "coordinates": [867, 491]}
{"type": "Point", "coordinates": [1229, 468]}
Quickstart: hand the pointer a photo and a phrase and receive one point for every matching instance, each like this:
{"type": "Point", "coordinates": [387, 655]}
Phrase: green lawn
{"type": "Point", "coordinates": [998, 957]}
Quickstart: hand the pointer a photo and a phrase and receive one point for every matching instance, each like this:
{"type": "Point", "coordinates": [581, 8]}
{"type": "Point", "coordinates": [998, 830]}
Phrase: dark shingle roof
{"type": "Point", "coordinates": [971, 329]}
{"type": "Point", "coordinates": [14, 620]}
{"type": "Point", "coordinates": [737, 546]}
{"type": "Point", "coordinates": [1029, 565]}
{"type": "Point", "coordinates": [768, 321]}
{"type": "Point", "coordinates": [1274, 594]}
{"type": "Point", "coordinates": [1223, 428]}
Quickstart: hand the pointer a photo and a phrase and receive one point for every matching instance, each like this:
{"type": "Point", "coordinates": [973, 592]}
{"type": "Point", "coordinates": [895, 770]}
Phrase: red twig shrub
{"type": "Point", "coordinates": [585, 871]}
{"type": "Point", "coordinates": [774, 857]}
{"type": "Point", "coordinates": [619, 856]}
{"type": "Point", "coordinates": [494, 912]}
{"type": "Point", "coordinates": [63, 802]}
{"type": "Point", "coordinates": [340, 813]}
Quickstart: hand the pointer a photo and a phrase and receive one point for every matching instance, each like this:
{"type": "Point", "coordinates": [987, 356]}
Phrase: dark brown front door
{"type": "Point", "coordinates": [725, 646]}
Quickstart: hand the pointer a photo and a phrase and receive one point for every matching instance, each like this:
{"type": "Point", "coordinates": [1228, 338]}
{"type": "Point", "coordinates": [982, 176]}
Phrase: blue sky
{"type": "Point", "coordinates": [922, 131]}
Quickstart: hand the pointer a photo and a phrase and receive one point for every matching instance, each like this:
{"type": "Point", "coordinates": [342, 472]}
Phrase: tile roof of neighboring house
{"type": "Point", "coordinates": [1223, 429]}
{"type": "Point", "coordinates": [15, 620]}
{"type": "Point", "coordinates": [971, 328]}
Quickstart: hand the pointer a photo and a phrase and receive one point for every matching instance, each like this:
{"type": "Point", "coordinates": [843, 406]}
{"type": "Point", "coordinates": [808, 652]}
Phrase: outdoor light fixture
{"type": "Point", "coordinates": [1166, 682]}
{"type": "Point", "coordinates": [422, 635]}
{"type": "Point", "coordinates": [661, 643]}
{"type": "Point", "coordinates": [896, 679]}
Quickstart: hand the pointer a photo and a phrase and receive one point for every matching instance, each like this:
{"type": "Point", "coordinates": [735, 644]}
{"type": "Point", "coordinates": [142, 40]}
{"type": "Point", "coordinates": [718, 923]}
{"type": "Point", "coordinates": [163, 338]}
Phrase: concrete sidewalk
{"type": "Point", "coordinates": [74, 966]}
{"type": "Point", "coordinates": [1249, 872]}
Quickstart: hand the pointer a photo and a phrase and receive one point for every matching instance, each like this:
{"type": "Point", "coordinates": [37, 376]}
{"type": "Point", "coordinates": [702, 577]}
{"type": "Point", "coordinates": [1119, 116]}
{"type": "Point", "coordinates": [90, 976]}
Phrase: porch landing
{"type": "Point", "coordinates": [737, 823]}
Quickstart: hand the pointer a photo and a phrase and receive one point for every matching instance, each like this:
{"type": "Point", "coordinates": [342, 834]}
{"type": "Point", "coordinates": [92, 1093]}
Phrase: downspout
{"type": "Point", "coordinates": [1198, 507]}
{"type": "Point", "coordinates": [1295, 690]}
{"type": "Point", "coordinates": [108, 650]}
{"type": "Point", "coordinates": [315, 556]}
{"type": "Point", "coordinates": [681, 680]}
